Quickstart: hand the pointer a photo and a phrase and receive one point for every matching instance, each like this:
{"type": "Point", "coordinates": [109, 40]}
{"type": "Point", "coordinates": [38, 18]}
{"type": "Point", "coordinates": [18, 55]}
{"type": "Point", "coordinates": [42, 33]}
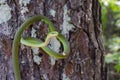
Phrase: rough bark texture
{"type": "Point", "coordinates": [86, 59]}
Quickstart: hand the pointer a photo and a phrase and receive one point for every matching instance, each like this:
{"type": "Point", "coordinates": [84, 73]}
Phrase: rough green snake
{"type": "Point", "coordinates": [33, 42]}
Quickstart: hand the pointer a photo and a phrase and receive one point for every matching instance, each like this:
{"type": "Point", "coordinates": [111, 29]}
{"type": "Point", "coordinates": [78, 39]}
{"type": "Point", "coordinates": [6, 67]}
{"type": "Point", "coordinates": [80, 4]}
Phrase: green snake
{"type": "Point", "coordinates": [33, 42]}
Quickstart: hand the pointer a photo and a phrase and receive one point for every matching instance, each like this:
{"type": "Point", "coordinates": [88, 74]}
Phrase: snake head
{"type": "Point", "coordinates": [53, 34]}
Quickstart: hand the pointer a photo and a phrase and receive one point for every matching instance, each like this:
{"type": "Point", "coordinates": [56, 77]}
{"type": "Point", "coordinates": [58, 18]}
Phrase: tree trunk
{"type": "Point", "coordinates": [78, 20]}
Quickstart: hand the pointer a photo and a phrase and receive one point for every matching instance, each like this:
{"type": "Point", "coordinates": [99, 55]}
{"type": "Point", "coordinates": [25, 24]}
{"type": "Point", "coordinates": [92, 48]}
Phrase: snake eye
{"type": "Point", "coordinates": [54, 33]}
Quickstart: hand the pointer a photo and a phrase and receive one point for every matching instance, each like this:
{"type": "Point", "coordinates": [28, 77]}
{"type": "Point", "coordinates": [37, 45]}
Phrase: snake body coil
{"type": "Point", "coordinates": [27, 41]}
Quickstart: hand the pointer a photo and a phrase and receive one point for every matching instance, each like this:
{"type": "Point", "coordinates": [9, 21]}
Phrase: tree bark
{"type": "Point", "coordinates": [78, 20]}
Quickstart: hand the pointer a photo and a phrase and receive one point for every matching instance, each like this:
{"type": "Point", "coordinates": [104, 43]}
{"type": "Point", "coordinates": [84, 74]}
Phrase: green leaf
{"type": "Point", "coordinates": [109, 58]}
{"type": "Point", "coordinates": [117, 67]}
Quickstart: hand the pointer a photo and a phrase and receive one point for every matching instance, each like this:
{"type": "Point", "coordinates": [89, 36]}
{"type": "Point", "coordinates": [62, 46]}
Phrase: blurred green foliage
{"type": "Point", "coordinates": [111, 31]}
